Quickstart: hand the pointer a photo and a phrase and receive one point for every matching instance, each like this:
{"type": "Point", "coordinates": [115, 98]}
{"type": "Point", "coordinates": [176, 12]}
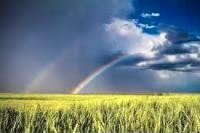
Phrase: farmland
{"type": "Point", "coordinates": [99, 113]}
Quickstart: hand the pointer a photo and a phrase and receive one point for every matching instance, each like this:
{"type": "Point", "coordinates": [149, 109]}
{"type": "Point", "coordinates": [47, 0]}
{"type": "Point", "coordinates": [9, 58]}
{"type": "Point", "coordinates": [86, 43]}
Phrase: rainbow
{"type": "Point", "coordinates": [95, 74]}
{"type": "Point", "coordinates": [45, 73]}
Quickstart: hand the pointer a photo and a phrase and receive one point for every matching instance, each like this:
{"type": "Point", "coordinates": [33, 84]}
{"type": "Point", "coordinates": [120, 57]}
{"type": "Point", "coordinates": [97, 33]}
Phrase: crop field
{"type": "Point", "coordinates": [59, 113]}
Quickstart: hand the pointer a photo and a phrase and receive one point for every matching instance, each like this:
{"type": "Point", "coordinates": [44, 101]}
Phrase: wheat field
{"type": "Point", "coordinates": [57, 113]}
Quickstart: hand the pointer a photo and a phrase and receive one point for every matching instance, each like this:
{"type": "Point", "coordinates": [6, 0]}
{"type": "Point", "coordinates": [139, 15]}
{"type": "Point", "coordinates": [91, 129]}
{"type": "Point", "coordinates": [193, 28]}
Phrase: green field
{"type": "Point", "coordinates": [51, 113]}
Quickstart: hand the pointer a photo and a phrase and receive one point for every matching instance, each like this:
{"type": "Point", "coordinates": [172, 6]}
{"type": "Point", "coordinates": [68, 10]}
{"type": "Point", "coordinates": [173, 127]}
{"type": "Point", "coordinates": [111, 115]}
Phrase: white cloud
{"type": "Point", "coordinates": [155, 14]}
{"type": "Point", "coordinates": [171, 58]}
{"type": "Point", "coordinates": [146, 26]}
{"type": "Point", "coordinates": [149, 15]}
{"type": "Point", "coordinates": [129, 38]}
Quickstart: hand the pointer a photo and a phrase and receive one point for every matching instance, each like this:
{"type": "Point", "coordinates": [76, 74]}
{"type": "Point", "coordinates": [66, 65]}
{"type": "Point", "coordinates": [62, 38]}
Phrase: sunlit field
{"type": "Point", "coordinates": [99, 113]}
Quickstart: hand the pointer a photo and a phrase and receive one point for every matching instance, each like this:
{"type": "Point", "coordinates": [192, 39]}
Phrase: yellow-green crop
{"type": "Point", "coordinates": [99, 113]}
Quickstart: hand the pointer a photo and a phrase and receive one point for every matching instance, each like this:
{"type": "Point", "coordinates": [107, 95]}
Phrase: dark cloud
{"type": "Point", "coordinates": [175, 34]}
{"type": "Point", "coordinates": [181, 47]}
{"type": "Point", "coordinates": [186, 65]}
{"type": "Point", "coordinates": [35, 34]}
{"type": "Point", "coordinates": [179, 53]}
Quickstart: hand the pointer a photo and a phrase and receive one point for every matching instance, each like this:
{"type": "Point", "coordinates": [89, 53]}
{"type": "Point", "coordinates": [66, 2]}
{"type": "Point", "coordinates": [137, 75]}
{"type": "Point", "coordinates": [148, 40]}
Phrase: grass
{"type": "Point", "coordinates": [99, 113]}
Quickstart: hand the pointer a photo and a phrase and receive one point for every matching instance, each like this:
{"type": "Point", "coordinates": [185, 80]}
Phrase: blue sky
{"type": "Point", "coordinates": [51, 46]}
{"type": "Point", "coordinates": [181, 13]}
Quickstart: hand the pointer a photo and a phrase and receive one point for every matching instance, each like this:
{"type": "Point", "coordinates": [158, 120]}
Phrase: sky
{"type": "Point", "coordinates": [103, 46]}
